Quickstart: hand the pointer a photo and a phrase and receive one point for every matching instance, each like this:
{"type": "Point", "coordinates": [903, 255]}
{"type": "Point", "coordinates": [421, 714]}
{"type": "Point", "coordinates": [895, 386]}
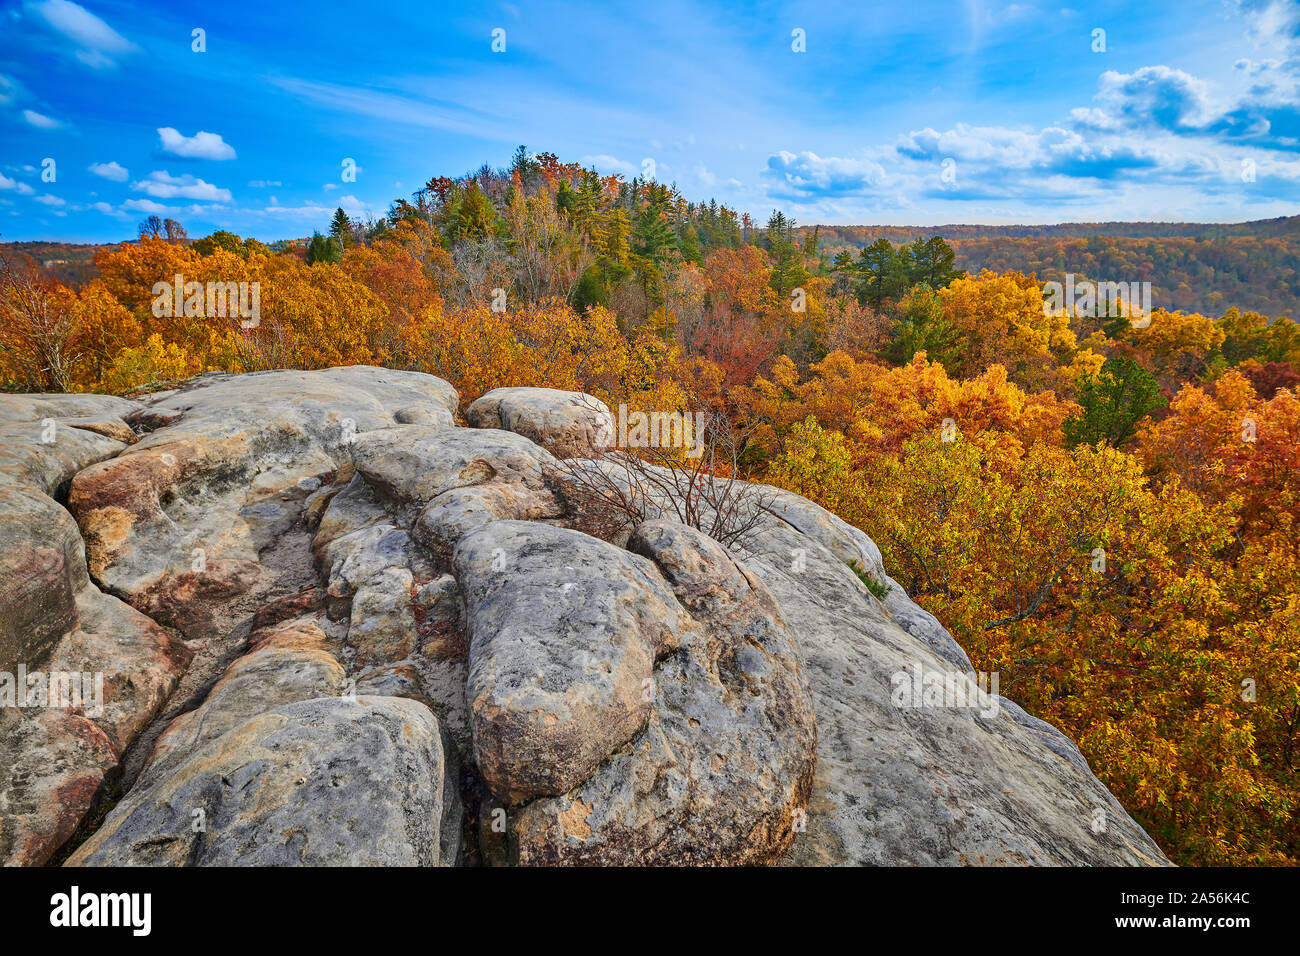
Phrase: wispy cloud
{"type": "Point", "coordinates": [40, 121]}
{"type": "Point", "coordinates": [111, 171]}
{"type": "Point", "coordinates": [163, 185]}
{"type": "Point", "coordinates": [95, 43]}
{"type": "Point", "coordinates": [393, 107]}
{"type": "Point", "coordinates": [16, 185]}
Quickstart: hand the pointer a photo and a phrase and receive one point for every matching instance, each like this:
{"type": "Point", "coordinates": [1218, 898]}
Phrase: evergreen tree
{"type": "Point", "coordinates": [474, 216]}
{"type": "Point", "coordinates": [922, 326]}
{"type": "Point", "coordinates": [341, 228]}
{"type": "Point", "coordinates": [882, 274]}
{"type": "Point", "coordinates": [931, 262]}
{"type": "Point", "coordinates": [323, 249]}
{"type": "Point", "coordinates": [1113, 401]}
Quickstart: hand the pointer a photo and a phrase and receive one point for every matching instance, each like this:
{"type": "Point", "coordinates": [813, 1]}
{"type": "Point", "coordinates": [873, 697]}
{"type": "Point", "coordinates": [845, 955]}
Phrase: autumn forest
{"type": "Point", "coordinates": [1101, 504]}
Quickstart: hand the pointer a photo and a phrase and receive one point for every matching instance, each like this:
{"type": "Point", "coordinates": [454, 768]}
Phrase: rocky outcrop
{"type": "Point", "coordinates": [949, 777]}
{"type": "Point", "coordinates": [404, 652]}
{"type": "Point", "coordinates": [564, 631]}
{"type": "Point", "coordinates": [54, 766]}
{"type": "Point", "coordinates": [567, 424]}
{"type": "Point", "coordinates": [323, 782]}
{"type": "Point", "coordinates": [81, 673]}
{"type": "Point", "coordinates": [177, 522]}
{"type": "Point", "coordinates": [287, 665]}
{"type": "Point", "coordinates": [722, 771]}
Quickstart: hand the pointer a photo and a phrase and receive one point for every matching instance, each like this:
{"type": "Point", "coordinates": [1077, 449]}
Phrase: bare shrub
{"type": "Point", "coordinates": [704, 491]}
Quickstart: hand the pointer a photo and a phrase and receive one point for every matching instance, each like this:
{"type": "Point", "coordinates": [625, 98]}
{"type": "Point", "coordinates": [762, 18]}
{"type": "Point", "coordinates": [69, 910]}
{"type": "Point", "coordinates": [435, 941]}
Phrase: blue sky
{"type": "Point", "coordinates": [911, 113]}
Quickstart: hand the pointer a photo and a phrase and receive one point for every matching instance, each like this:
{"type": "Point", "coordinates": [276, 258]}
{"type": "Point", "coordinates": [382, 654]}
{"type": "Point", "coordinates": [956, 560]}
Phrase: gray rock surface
{"type": "Point", "coordinates": [177, 522]}
{"type": "Point", "coordinates": [417, 463]}
{"type": "Point", "coordinates": [268, 677]}
{"type": "Point", "coordinates": [56, 754]}
{"type": "Point", "coordinates": [722, 771]}
{"type": "Point", "coordinates": [567, 424]}
{"type": "Point", "coordinates": [563, 633]}
{"type": "Point", "coordinates": [325, 782]}
{"type": "Point", "coordinates": [54, 765]}
{"type": "Point", "coordinates": [922, 785]}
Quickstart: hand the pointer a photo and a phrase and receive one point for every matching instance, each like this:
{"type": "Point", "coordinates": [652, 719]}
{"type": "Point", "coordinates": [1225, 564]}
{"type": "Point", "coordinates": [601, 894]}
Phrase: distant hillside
{"type": "Point", "coordinates": [1197, 267]}
{"type": "Point", "coordinates": [71, 263]}
{"type": "Point", "coordinates": [1286, 227]}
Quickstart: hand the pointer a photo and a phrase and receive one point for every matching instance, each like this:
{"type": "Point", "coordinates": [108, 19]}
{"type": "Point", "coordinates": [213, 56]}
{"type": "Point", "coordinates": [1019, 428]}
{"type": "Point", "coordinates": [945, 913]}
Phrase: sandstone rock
{"type": "Point", "coordinates": [350, 560]}
{"type": "Point", "coordinates": [563, 632]}
{"type": "Point", "coordinates": [34, 407]}
{"type": "Point", "coordinates": [140, 662]}
{"type": "Point", "coordinates": [670, 701]}
{"type": "Point", "coordinates": [722, 770]}
{"type": "Point", "coordinates": [349, 509]}
{"type": "Point", "coordinates": [32, 462]}
{"type": "Point", "coordinates": [42, 568]}
{"type": "Point", "coordinates": [423, 415]}
{"type": "Point", "coordinates": [850, 544]}
{"type": "Point", "coordinates": [267, 678]}
{"type": "Point", "coordinates": [54, 765]}
{"type": "Point", "coordinates": [291, 636]}
{"type": "Point", "coordinates": [300, 602]}
{"type": "Point", "coordinates": [416, 463]}
{"type": "Point", "coordinates": [439, 600]}
{"type": "Point", "coordinates": [326, 782]}
{"type": "Point", "coordinates": [382, 627]}
{"type": "Point", "coordinates": [109, 426]}
{"type": "Point", "coordinates": [55, 622]}
{"type": "Point", "coordinates": [209, 487]}
{"type": "Point", "coordinates": [455, 513]}
{"type": "Point", "coordinates": [567, 424]}
{"type": "Point", "coordinates": [395, 680]}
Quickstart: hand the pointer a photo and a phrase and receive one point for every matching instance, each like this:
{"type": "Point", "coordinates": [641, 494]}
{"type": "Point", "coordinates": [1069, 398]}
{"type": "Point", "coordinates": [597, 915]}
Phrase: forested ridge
{"type": "Point", "coordinates": [1192, 266]}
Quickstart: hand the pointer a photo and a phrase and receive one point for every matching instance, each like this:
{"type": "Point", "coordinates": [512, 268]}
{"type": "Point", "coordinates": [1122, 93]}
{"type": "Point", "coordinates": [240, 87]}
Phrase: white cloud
{"type": "Point", "coordinates": [40, 122]}
{"type": "Point", "coordinates": [314, 210]}
{"type": "Point", "coordinates": [265, 183]}
{"type": "Point", "coordinates": [20, 187]}
{"type": "Point", "coordinates": [163, 185]}
{"type": "Point", "coordinates": [1274, 25]}
{"type": "Point", "coordinates": [110, 170]}
{"type": "Point", "coordinates": [147, 205]}
{"type": "Point", "coordinates": [8, 90]}
{"type": "Point", "coordinates": [1157, 95]}
{"type": "Point", "coordinates": [352, 204]}
{"type": "Point", "coordinates": [199, 146]}
{"type": "Point", "coordinates": [808, 172]}
{"type": "Point", "coordinates": [97, 44]}
{"type": "Point", "coordinates": [48, 200]}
